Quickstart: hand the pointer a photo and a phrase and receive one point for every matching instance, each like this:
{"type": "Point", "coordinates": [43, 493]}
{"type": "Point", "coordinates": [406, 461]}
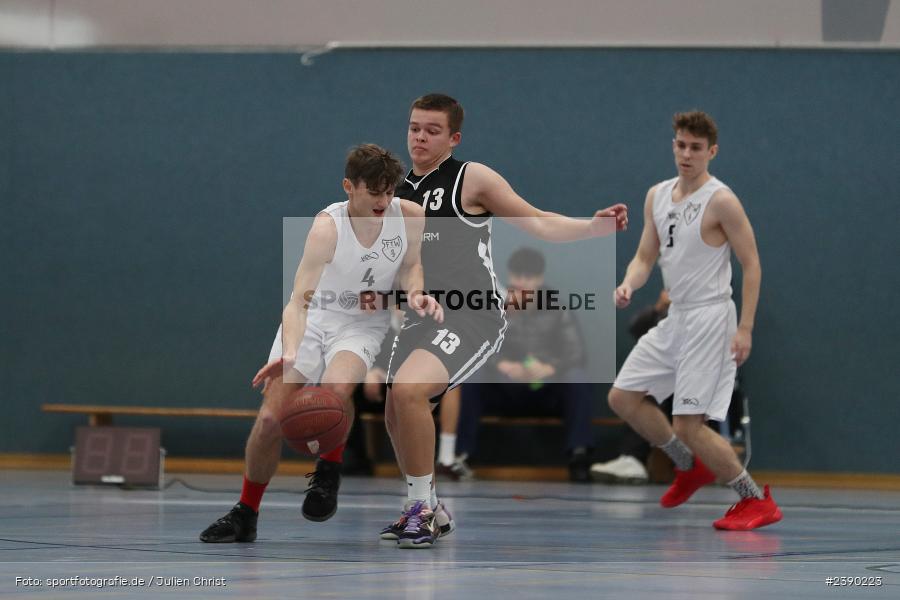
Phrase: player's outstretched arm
{"type": "Point", "coordinates": [642, 264]}
{"type": "Point", "coordinates": [491, 191]}
{"type": "Point", "coordinates": [729, 212]}
{"type": "Point", "coordinates": [411, 275]}
{"type": "Point", "coordinates": [318, 251]}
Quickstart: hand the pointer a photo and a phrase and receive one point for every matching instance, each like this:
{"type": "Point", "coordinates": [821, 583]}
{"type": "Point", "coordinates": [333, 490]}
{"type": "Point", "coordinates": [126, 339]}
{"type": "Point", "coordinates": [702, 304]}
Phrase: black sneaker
{"type": "Point", "coordinates": [320, 503]}
{"type": "Point", "coordinates": [239, 525]}
{"type": "Point", "coordinates": [580, 465]}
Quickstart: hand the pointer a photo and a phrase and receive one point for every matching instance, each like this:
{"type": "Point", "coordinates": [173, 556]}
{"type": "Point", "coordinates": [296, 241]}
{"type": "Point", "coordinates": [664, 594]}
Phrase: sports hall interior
{"type": "Point", "coordinates": [150, 151]}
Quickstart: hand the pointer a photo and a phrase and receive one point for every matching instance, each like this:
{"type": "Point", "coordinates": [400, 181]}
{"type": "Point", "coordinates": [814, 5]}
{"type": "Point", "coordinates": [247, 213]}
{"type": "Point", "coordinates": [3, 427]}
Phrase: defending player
{"type": "Point", "coordinates": [359, 245]}
{"type": "Point", "coordinates": [459, 199]}
{"type": "Point", "coordinates": [691, 224]}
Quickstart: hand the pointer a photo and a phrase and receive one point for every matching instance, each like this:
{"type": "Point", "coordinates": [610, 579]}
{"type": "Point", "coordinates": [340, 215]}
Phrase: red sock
{"type": "Point", "coordinates": [252, 493]}
{"type": "Point", "coordinates": [335, 456]}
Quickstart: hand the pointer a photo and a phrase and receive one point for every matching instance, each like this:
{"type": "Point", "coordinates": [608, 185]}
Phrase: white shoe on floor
{"type": "Point", "coordinates": [624, 469]}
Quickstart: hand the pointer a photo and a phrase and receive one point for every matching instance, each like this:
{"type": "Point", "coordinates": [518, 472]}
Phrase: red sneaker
{"type": "Point", "coordinates": [750, 513]}
{"type": "Point", "coordinates": [686, 483]}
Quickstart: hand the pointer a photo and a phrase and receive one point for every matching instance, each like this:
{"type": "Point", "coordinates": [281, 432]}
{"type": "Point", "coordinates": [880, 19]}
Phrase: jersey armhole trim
{"type": "Point", "coordinates": [458, 209]}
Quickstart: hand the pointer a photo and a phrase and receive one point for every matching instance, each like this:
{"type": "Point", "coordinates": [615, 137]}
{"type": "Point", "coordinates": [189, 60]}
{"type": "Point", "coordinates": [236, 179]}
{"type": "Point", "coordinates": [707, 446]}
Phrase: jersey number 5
{"type": "Point", "coordinates": [671, 239]}
{"type": "Point", "coordinates": [449, 343]}
{"type": "Point", "coordinates": [436, 199]}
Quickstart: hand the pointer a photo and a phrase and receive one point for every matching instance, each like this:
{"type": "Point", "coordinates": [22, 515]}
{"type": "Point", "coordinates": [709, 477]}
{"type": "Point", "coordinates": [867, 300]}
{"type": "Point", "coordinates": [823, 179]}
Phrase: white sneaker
{"type": "Point", "coordinates": [625, 469]}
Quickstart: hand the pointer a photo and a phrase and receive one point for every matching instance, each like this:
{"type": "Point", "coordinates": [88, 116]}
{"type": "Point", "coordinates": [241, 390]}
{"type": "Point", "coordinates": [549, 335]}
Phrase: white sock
{"type": "Point", "coordinates": [447, 449]}
{"type": "Point", "coordinates": [419, 488]}
{"type": "Point", "coordinates": [434, 499]}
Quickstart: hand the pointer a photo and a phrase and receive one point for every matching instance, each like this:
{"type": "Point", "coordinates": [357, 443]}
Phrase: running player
{"type": "Point", "coordinates": [691, 223]}
{"type": "Point", "coordinates": [360, 245]}
{"type": "Point", "coordinates": [459, 199]}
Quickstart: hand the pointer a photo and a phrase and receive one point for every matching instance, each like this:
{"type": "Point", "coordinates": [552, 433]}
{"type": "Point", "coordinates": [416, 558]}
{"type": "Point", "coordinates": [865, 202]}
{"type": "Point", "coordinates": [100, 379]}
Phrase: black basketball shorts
{"type": "Point", "coordinates": [463, 342]}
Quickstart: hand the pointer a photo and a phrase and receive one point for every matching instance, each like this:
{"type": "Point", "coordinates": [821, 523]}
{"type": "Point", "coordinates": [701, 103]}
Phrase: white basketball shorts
{"type": "Point", "coordinates": [687, 354]}
{"type": "Point", "coordinates": [328, 334]}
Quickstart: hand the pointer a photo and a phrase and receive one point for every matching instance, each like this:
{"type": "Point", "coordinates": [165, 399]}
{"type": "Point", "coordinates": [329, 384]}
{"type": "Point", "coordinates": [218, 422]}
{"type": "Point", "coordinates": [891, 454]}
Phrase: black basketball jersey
{"type": "Point", "coordinates": [456, 245]}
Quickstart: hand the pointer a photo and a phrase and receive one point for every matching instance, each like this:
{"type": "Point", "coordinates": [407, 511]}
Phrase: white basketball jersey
{"type": "Point", "coordinates": [693, 271]}
{"type": "Point", "coordinates": [355, 268]}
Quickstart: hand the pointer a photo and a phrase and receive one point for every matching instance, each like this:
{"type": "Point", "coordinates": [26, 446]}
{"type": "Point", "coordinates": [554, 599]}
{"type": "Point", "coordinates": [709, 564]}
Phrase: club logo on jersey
{"type": "Point", "coordinates": [348, 300]}
{"type": "Point", "coordinates": [392, 248]}
{"type": "Point", "coordinates": [690, 212]}
{"type": "Point", "coordinates": [369, 256]}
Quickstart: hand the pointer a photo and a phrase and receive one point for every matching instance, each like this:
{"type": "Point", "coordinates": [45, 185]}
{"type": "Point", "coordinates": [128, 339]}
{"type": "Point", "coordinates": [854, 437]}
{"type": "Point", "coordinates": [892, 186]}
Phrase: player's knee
{"type": "Point", "coordinates": [268, 424]}
{"type": "Point", "coordinates": [621, 402]}
{"type": "Point", "coordinates": [342, 389]}
{"type": "Point", "coordinates": [409, 396]}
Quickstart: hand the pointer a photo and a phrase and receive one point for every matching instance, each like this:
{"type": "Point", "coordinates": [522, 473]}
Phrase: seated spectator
{"type": "Point", "coordinates": [542, 350]}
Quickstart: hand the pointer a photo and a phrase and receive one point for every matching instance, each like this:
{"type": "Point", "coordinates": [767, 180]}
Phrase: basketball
{"type": "Point", "coordinates": [313, 421]}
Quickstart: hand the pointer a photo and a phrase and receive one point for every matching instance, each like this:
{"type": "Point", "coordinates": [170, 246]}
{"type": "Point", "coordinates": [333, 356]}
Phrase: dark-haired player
{"type": "Point", "coordinates": [360, 245]}
{"type": "Point", "coordinates": [459, 199]}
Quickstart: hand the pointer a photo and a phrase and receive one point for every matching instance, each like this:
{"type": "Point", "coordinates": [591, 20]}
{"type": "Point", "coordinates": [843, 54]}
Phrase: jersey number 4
{"type": "Point", "coordinates": [368, 278]}
{"type": "Point", "coordinates": [436, 199]}
{"type": "Point", "coordinates": [671, 238]}
{"type": "Point", "coordinates": [446, 341]}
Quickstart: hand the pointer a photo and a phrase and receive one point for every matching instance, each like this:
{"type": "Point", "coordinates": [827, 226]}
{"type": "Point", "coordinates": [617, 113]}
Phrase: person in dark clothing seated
{"type": "Point", "coordinates": [542, 352]}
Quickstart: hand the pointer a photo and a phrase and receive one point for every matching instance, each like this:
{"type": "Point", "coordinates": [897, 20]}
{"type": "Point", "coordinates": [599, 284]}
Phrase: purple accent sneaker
{"type": "Point", "coordinates": [442, 518]}
{"type": "Point", "coordinates": [420, 531]}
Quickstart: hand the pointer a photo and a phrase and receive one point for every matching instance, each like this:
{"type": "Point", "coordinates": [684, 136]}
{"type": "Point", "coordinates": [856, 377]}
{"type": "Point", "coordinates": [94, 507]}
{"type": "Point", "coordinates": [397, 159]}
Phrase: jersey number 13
{"type": "Point", "coordinates": [446, 341]}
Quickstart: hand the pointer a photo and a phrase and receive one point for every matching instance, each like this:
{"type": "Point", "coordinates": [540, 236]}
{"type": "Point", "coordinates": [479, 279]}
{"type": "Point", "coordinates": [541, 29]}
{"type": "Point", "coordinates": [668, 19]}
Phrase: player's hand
{"type": "Point", "coordinates": [514, 370]}
{"type": "Point", "coordinates": [622, 295]}
{"type": "Point", "coordinates": [619, 212]}
{"type": "Point", "coordinates": [272, 369]}
{"type": "Point", "coordinates": [538, 371]}
{"type": "Point", "coordinates": [740, 346]}
{"type": "Point", "coordinates": [424, 304]}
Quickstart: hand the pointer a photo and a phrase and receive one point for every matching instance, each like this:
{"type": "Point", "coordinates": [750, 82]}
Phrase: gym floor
{"type": "Point", "coordinates": [528, 540]}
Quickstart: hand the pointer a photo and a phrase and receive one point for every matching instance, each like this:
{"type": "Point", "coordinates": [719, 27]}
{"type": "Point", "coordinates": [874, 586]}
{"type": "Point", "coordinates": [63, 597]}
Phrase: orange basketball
{"type": "Point", "coordinates": [313, 421]}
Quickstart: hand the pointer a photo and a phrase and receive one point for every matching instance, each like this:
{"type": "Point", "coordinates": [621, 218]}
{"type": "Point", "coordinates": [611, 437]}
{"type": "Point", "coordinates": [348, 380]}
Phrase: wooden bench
{"type": "Point", "coordinates": [103, 415]}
